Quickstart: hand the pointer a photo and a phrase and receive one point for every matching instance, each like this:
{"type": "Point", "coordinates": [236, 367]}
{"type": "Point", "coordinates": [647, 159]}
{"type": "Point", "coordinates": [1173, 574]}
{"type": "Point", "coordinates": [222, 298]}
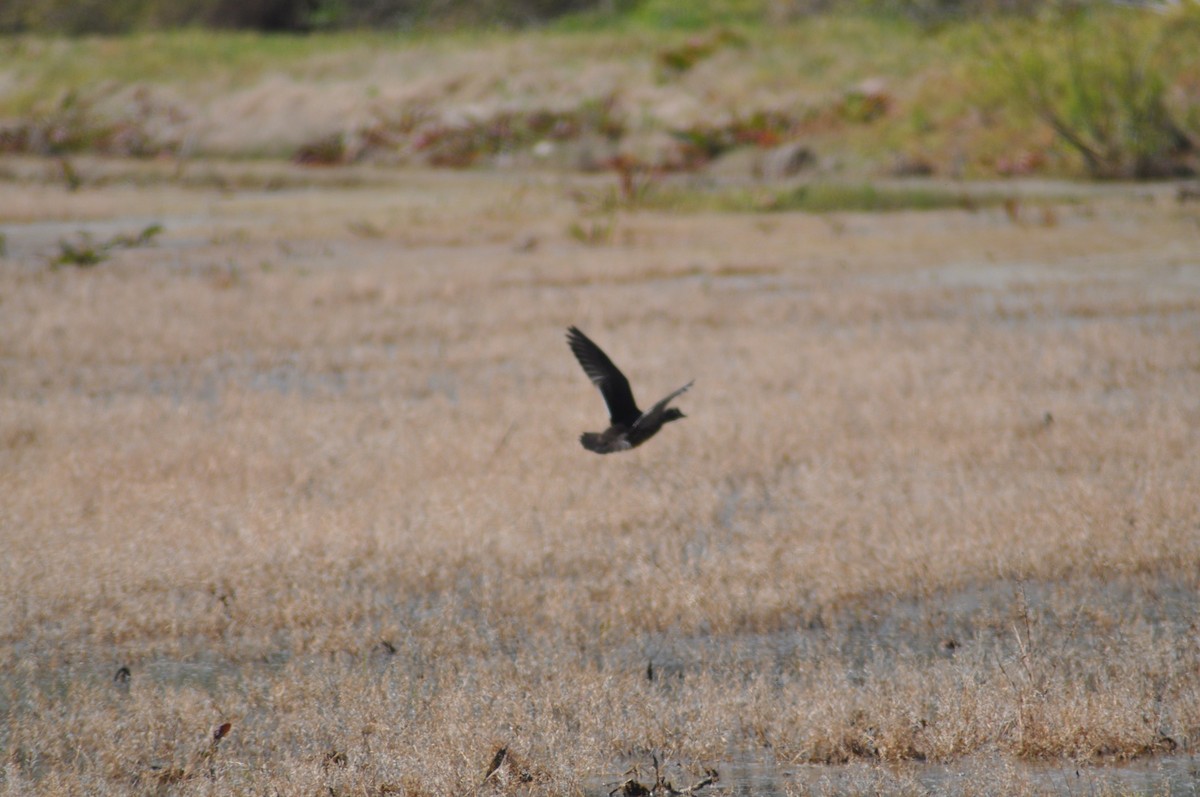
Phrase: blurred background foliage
{"type": "Point", "coordinates": [75, 17]}
{"type": "Point", "coordinates": [1006, 87]}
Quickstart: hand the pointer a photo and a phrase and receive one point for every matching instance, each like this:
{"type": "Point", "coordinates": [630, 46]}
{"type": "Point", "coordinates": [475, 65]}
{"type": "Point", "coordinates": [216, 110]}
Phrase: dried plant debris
{"type": "Point", "coordinates": [334, 759]}
{"type": "Point", "coordinates": [507, 771]}
{"type": "Point", "coordinates": [202, 762]}
{"type": "Point", "coordinates": [632, 787]}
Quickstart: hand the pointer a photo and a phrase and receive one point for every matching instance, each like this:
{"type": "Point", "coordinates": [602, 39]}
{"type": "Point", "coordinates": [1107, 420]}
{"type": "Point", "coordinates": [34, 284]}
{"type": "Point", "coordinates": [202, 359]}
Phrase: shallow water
{"type": "Point", "coordinates": [1167, 776]}
{"type": "Point", "coordinates": [927, 627]}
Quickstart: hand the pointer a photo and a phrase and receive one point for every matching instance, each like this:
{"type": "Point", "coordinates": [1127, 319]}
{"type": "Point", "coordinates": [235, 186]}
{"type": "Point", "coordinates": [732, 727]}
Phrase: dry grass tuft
{"type": "Point", "coordinates": [933, 508]}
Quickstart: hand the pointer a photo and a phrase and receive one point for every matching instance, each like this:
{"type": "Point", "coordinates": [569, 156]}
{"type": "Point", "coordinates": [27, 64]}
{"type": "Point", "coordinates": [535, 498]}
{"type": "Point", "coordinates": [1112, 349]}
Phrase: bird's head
{"type": "Point", "coordinates": [673, 414]}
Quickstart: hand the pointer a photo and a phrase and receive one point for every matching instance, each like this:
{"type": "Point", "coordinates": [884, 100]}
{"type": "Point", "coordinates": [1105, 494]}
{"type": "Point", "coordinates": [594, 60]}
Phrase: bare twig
{"type": "Point", "coordinates": [662, 787]}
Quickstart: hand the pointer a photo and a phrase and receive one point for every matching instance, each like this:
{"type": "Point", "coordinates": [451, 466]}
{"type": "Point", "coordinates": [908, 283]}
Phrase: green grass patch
{"type": "Point", "coordinates": [87, 252]}
{"type": "Point", "coordinates": [817, 197]}
{"type": "Point", "coordinates": [671, 15]}
{"type": "Point", "coordinates": [207, 61]}
{"type": "Point", "coordinates": [832, 197]}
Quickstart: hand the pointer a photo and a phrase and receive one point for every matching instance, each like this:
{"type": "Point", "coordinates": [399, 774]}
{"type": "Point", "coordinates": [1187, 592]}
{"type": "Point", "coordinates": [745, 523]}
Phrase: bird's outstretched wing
{"type": "Point", "coordinates": [658, 408]}
{"type": "Point", "coordinates": [606, 376]}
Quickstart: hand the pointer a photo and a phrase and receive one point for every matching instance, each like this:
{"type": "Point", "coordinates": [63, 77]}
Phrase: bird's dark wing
{"type": "Point", "coordinates": [606, 376]}
{"type": "Point", "coordinates": [658, 408]}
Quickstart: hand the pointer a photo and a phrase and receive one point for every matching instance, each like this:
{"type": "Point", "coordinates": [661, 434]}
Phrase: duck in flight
{"type": "Point", "coordinates": [630, 427]}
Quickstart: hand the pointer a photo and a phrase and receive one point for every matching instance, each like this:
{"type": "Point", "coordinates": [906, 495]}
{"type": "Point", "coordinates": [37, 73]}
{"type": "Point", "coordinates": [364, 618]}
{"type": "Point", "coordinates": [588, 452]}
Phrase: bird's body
{"type": "Point", "coordinates": [629, 427]}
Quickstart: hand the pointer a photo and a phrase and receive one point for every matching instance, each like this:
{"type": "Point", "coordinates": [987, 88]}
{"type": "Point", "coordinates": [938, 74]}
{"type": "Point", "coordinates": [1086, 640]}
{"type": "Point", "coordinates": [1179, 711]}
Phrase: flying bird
{"type": "Point", "coordinates": [629, 426]}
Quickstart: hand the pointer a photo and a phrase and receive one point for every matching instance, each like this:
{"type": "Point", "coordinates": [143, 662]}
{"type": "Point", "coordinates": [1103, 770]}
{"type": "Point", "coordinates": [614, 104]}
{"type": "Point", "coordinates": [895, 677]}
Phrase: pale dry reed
{"type": "Point", "coordinates": [309, 465]}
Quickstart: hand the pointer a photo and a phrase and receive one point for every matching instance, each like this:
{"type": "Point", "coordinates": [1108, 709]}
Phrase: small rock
{"type": "Point", "coordinates": [911, 166]}
{"type": "Point", "coordinates": [787, 160]}
{"type": "Point", "coordinates": [656, 149]}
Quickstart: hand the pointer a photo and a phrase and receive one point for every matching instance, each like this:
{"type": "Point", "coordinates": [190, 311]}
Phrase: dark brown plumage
{"type": "Point", "coordinates": [629, 427]}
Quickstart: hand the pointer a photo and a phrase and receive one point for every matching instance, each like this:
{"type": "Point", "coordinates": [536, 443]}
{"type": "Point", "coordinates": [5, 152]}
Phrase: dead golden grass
{"type": "Point", "coordinates": [935, 499]}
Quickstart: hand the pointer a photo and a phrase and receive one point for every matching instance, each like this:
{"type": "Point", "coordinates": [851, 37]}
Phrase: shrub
{"type": "Point", "coordinates": [1105, 81]}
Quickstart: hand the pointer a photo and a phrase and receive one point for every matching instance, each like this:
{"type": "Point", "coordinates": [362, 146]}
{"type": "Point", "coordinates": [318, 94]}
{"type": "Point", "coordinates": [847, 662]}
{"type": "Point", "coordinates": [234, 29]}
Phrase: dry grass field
{"type": "Point", "coordinates": [306, 463]}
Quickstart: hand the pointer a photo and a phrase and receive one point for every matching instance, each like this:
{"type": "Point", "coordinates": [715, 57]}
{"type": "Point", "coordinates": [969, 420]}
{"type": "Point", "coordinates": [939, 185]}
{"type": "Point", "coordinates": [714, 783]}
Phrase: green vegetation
{"type": "Point", "coordinates": [823, 197]}
{"type": "Point", "coordinates": [1119, 89]}
{"type": "Point", "coordinates": [122, 16]}
{"type": "Point", "coordinates": [668, 15]}
{"type": "Point", "coordinates": [86, 252]}
{"type": "Point", "coordinates": [647, 192]}
{"type": "Point", "coordinates": [196, 58]}
{"type": "Point", "coordinates": [96, 16]}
